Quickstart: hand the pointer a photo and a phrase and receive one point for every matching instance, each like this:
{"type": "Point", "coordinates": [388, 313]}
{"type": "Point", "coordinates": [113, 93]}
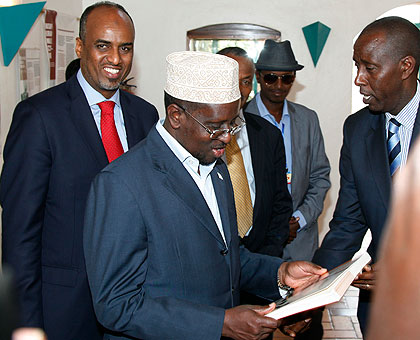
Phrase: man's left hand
{"type": "Point", "coordinates": [300, 274]}
{"type": "Point", "coordinates": [293, 228]}
{"type": "Point", "coordinates": [367, 279]}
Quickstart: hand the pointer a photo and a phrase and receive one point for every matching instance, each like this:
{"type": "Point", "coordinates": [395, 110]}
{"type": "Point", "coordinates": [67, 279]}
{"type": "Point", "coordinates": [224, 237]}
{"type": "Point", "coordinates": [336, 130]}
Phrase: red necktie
{"type": "Point", "coordinates": [110, 139]}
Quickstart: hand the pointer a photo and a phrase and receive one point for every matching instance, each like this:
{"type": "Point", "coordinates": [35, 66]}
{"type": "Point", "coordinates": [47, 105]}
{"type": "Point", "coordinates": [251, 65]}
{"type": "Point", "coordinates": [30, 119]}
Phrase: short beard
{"type": "Point", "coordinates": [109, 86]}
{"type": "Point", "coordinates": [201, 158]}
{"type": "Point", "coordinates": [205, 162]}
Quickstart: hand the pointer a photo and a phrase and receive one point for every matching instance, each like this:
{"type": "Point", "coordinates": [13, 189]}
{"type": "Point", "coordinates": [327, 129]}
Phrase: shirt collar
{"type": "Point", "coordinates": [285, 109]}
{"type": "Point", "coordinates": [407, 116]}
{"type": "Point", "coordinates": [264, 111]}
{"type": "Point", "coordinates": [94, 97]}
{"type": "Point", "coordinates": [182, 154]}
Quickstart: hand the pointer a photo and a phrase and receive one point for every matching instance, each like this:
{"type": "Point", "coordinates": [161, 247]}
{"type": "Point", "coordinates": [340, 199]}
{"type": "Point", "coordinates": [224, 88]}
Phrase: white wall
{"type": "Point", "coordinates": [161, 27]}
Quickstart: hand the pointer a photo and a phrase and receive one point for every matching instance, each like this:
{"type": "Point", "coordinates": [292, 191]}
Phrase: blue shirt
{"type": "Point", "coordinates": [284, 127]}
{"type": "Point", "coordinates": [94, 97]}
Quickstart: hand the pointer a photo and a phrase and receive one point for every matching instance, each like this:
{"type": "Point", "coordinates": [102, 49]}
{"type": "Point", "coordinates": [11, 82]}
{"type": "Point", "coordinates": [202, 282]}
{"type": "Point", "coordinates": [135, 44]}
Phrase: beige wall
{"type": "Point", "coordinates": [161, 27]}
{"type": "Point", "coordinates": [9, 74]}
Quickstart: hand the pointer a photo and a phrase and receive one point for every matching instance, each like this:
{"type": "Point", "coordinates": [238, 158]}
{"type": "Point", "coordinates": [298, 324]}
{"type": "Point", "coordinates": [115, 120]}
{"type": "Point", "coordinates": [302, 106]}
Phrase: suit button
{"type": "Point", "coordinates": [224, 252]}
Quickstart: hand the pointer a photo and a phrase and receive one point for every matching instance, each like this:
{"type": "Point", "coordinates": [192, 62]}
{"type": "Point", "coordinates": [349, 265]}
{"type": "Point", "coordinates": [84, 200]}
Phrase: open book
{"type": "Point", "coordinates": [325, 291]}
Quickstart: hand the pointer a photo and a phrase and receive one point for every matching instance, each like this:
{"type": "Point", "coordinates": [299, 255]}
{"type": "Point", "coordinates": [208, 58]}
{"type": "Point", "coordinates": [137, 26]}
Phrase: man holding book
{"type": "Point", "coordinates": [161, 240]}
{"type": "Point", "coordinates": [376, 143]}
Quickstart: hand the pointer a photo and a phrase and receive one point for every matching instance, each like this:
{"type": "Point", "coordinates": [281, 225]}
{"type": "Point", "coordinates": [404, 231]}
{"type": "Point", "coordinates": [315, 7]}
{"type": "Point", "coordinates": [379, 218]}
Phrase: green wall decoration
{"type": "Point", "coordinates": [316, 36]}
{"type": "Point", "coordinates": [15, 23]}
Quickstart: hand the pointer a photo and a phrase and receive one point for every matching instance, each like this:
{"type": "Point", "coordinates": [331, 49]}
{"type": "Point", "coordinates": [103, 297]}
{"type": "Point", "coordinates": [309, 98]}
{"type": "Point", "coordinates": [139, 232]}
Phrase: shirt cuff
{"type": "Point", "coordinates": [302, 221]}
{"type": "Point", "coordinates": [283, 293]}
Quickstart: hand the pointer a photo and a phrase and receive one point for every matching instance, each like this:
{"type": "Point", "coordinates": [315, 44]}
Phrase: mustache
{"type": "Point", "coordinates": [221, 145]}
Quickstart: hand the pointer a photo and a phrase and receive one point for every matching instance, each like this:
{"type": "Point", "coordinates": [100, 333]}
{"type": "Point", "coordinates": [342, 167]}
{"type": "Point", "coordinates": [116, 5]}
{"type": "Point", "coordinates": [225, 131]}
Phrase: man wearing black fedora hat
{"type": "Point", "coordinates": [306, 162]}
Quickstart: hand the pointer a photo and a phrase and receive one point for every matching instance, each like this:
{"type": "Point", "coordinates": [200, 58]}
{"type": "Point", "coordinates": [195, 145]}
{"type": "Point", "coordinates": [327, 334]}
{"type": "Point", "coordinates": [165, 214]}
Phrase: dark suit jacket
{"type": "Point", "coordinates": [52, 153]}
{"type": "Point", "coordinates": [157, 265]}
{"type": "Point", "coordinates": [273, 204]}
{"type": "Point", "coordinates": [364, 195]}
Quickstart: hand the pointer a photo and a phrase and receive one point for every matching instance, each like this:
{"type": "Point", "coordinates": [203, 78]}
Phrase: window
{"type": "Point", "coordinates": [213, 38]}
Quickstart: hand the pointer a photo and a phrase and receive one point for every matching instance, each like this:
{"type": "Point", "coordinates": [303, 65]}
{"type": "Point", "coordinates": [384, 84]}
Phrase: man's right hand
{"type": "Point", "coordinates": [248, 322]}
{"type": "Point", "coordinates": [300, 274]}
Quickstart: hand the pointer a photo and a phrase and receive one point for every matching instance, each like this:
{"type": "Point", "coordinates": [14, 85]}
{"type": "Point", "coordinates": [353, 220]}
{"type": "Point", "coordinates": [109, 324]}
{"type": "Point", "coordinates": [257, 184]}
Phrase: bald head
{"type": "Point", "coordinates": [402, 37]}
{"type": "Point", "coordinates": [88, 10]}
{"type": "Point", "coordinates": [246, 70]}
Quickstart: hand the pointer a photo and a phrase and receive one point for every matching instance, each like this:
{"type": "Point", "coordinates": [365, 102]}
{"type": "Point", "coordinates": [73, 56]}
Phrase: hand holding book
{"type": "Point", "coordinates": [245, 320]}
{"type": "Point", "coordinates": [300, 274]}
{"type": "Point", "coordinates": [367, 279]}
{"type": "Point", "coordinates": [328, 290]}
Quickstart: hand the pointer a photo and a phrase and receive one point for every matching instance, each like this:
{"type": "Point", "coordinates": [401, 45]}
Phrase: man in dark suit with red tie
{"type": "Point", "coordinates": [58, 141]}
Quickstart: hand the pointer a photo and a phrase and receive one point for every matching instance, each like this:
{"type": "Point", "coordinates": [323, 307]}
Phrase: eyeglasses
{"type": "Point", "coordinates": [271, 78]}
{"type": "Point", "coordinates": [236, 126]}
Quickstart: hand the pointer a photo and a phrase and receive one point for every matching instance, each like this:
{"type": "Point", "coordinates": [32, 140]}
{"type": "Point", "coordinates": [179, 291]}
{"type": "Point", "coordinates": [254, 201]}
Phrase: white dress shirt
{"type": "Point", "coordinates": [94, 97]}
{"type": "Point", "coordinates": [199, 173]}
{"type": "Point", "coordinates": [406, 117]}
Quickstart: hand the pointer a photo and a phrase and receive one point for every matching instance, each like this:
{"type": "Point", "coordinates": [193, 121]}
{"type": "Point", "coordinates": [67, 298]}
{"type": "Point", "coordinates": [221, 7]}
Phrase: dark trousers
{"type": "Point", "coordinates": [315, 331]}
{"type": "Point", "coordinates": [363, 309]}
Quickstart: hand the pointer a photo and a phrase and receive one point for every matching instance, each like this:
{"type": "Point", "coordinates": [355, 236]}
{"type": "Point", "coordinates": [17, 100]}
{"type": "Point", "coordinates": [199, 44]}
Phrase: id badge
{"type": "Point", "coordinates": [289, 177]}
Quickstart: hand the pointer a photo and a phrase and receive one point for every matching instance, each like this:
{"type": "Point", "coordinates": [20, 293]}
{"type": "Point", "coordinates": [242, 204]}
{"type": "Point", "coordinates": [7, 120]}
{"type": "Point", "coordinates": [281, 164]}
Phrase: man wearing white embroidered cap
{"type": "Point", "coordinates": [161, 242]}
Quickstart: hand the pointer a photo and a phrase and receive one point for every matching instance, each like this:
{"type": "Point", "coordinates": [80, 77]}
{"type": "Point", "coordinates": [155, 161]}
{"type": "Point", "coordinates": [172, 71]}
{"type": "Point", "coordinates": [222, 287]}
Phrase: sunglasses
{"type": "Point", "coordinates": [271, 78]}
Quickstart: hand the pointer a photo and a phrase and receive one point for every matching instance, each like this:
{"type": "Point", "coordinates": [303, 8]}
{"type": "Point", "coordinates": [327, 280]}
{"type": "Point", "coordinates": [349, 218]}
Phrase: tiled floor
{"type": "Point", "coordinates": [339, 320]}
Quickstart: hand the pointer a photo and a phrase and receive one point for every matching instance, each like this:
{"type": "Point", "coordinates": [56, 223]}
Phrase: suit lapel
{"type": "Point", "coordinates": [377, 156]}
{"type": "Point", "coordinates": [219, 185]}
{"type": "Point", "coordinates": [253, 130]}
{"type": "Point", "coordinates": [85, 124]}
{"type": "Point", "coordinates": [377, 153]}
{"type": "Point", "coordinates": [251, 107]}
{"type": "Point", "coordinates": [130, 120]}
{"type": "Point", "coordinates": [296, 163]}
{"type": "Point", "coordinates": [181, 184]}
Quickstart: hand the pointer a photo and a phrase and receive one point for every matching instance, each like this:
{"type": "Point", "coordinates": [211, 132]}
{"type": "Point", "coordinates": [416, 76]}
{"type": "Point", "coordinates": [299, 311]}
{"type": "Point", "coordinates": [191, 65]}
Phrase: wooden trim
{"type": "Point", "coordinates": [233, 31]}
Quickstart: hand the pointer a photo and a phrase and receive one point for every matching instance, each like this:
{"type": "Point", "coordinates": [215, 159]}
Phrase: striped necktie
{"type": "Point", "coordinates": [243, 203]}
{"type": "Point", "coordinates": [394, 146]}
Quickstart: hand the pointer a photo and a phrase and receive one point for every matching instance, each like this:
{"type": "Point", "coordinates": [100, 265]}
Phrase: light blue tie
{"type": "Point", "coordinates": [394, 146]}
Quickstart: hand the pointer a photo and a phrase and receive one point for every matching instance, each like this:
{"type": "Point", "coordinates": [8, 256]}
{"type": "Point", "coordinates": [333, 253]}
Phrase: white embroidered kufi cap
{"type": "Point", "coordinates": [202, 77]}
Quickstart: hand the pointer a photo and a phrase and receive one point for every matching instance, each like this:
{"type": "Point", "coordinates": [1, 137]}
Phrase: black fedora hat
{"type": "Point", "coordinates": [277, 56]}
